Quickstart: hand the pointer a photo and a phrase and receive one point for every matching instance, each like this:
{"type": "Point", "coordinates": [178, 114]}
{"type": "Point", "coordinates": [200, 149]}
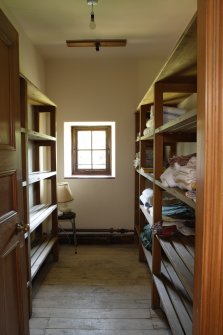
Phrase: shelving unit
{"type": "Point", "coordinates": [172, 259]}
{"type": "Point", "coordinates": [38, 134]}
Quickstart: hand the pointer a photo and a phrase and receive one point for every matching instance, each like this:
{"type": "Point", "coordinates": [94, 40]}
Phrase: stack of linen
{"type": "Point", "coordinates": [176, 217]}
{"type": "Point", "coordinates": [181, 173]}
{"type": "Point", "coordinates": [147, 197]}
{"type": "Point", "coordinates": [149, 130]}
{"type": "Point", "coordinates": [169, 113]}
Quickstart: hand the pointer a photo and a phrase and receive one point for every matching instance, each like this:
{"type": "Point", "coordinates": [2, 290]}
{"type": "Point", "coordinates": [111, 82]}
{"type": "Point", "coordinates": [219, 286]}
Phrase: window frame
{"type": "Point", "coordinates": [74, 157]}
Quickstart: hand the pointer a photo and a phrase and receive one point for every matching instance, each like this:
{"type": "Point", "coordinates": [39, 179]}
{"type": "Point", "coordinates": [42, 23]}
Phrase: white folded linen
{"type": "Point", "coordinates": [168, 177]}
{"type": "Point", "coordinates": [170, 113]}
{"type": "Point", "coordinates": [150, 123]}
{"type": "Point", "coordinates": [143, 199]}
{"type": "Point", "coordinates": [148, 131]}
{"type": "Point", "coordinates": [180, 176]}
{"type": "Point", "coordinates": [148, 194]}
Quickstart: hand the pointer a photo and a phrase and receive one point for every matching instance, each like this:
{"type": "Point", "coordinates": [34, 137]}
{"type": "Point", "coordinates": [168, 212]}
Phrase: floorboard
{"type": "Point", "coordinates": [101, 290]}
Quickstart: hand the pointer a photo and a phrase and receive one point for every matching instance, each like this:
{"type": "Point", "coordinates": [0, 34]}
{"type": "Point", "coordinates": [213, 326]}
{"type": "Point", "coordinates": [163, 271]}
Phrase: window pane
{"type": "Point", "coordinates": [99, 158]}
{"type": "Point", "coordinates": [84, 139]}
{"type": "Point", "coordinates": [84, 157]}
{"type": "Point", "coordinates": [98, 139]}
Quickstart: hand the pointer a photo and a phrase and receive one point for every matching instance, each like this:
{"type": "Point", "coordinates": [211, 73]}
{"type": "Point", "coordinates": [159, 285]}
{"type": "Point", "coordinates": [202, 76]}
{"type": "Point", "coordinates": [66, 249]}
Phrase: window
{"type": "Point", "coordinates": [89, 149]}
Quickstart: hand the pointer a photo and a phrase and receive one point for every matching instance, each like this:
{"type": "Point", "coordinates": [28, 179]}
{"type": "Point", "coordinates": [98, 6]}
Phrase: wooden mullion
{"type": "Point", "coordinates": [91, 153]}
{"type": "Point", "coordinates": [108, 150]}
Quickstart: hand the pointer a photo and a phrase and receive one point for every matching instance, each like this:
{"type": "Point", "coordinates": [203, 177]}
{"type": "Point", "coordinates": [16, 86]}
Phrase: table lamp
{"type": "Point", "coordinates": [64, 197]}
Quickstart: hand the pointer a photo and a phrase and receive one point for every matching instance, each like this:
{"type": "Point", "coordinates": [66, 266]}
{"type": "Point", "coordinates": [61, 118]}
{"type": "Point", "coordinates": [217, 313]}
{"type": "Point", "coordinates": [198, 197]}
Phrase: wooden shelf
{"type": "Point", "coordinates": [146, 138]}
{"type": "Point", "coordinates": [148, 217]}
{"type": "Point", "coordinates": [181, 260]}
{"type": "Point", "coordinates": [35, 177]}
{"type": "Point", "coordinates": [38, 133]}
{"type": "Point", "coordinates": [168, 271]}
{"type": "Point", "coordinates": [175, 310]}
{"type": "Point", "coordinates": [33, 135]}
{"type": "Point", "coordinates": [148, 257]}
{"type": "Point", "coordinates": [40, 252]}
{"type": "Point", "coordinates": [184, 123]}
{"type": "Point", "coordinates": [39, 213]}
{"type": "Point", "coordinates": [148, 176]}
{"type": "Point", "coordinates": [35, 96]}
{"type": "Point", "coordinates": [178, 193]}
{"type": "Point", "coordinates": [175, 300]}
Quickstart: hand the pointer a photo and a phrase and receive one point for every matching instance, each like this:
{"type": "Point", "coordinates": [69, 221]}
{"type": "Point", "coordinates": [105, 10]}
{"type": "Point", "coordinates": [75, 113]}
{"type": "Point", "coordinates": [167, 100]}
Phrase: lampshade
{"type": "Point", "coordinates": [64, 193]}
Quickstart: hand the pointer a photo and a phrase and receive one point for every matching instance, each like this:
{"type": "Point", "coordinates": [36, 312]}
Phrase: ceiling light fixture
{"type": "Point", "coordinates": [92, 23]}
{"type": "Point", "coordinates": [97, 43]}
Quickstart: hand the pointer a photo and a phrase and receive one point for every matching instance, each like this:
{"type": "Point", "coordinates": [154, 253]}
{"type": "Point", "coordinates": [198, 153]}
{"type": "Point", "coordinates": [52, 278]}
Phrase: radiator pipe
{"type": "Point", "coordinates": [110, 230]}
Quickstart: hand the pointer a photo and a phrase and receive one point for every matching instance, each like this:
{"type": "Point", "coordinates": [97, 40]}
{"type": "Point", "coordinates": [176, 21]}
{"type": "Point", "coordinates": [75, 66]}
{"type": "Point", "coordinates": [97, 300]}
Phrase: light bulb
{"type": "Point", "coordinates": [92, 23]}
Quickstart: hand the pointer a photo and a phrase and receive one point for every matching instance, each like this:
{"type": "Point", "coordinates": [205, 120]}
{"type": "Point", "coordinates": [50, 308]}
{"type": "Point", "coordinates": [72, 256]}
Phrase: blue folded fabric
{"type": "Point", "coordinates": [146, 237]}
{"type": "Point", "coordinates": [178, 209]}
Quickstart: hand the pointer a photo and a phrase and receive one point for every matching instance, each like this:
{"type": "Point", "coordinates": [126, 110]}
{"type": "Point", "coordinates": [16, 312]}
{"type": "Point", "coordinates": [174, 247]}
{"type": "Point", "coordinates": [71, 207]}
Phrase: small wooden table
{"type": "Point", "coordinates": [68, 216]}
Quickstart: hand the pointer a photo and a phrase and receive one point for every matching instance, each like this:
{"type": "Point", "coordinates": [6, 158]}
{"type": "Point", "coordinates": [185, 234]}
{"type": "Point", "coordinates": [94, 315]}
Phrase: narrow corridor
{"type": "Point", "coordinates": [102, 290]}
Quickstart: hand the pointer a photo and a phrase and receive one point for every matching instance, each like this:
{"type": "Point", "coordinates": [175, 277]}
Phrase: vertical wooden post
{"type": "Point", "coordinates": [157, 168]}
{"type": "Point", "coordinates": [208, 288]}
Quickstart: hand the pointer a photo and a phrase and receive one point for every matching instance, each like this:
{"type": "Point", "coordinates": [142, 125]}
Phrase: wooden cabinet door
{"type": "Point", "coordinates": [13, 290]}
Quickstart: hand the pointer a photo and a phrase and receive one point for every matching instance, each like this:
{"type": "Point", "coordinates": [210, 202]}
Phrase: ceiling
{"type": "Point", "coordinates": [151, 27]}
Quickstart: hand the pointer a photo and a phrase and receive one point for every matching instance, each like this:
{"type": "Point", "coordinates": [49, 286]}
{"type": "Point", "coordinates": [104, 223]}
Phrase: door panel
{"type": "Point", "coordinates": [8, 183]}
{"type": "Point", "coordinates": [4, 94]}
{"type": "Point", "coordinates": [13, 280]}
{"type": "Point", "coordinates": [11, 286]}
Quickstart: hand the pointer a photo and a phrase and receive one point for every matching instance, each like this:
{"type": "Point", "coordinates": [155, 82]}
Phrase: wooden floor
{"type": "Point", "coordinates": [101, 290]}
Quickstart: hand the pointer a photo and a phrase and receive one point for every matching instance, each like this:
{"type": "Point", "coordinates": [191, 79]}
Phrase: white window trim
{"type": "Point", "coordinates": [68, 148]}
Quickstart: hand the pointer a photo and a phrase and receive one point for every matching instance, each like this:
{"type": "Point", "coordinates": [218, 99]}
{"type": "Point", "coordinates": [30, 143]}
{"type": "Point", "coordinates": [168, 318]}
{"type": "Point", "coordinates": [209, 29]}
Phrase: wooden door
{"type": "Point", "coordinates": [13, 291]}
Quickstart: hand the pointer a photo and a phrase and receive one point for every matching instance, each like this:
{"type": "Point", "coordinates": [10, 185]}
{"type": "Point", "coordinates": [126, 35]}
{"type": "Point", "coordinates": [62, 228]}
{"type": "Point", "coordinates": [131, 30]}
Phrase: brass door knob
{"type": "Point", "coordinates": [20, 227]}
